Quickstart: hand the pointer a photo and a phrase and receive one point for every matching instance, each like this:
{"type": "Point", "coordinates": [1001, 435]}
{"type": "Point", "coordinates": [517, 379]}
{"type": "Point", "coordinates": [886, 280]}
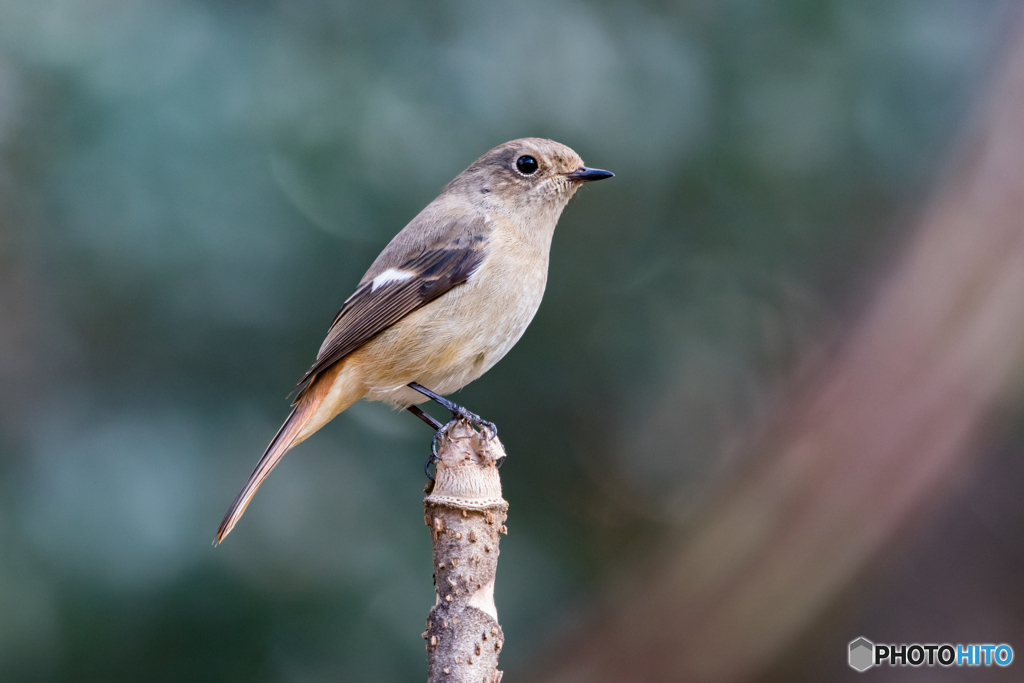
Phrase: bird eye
{"type": "Point", "coordinates": [526, 165]}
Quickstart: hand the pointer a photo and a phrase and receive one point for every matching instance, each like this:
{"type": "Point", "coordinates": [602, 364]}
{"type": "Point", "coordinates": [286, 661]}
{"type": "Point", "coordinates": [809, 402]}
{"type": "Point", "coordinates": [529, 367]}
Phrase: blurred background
{"type": "Point", "coordinates": [189, 189]}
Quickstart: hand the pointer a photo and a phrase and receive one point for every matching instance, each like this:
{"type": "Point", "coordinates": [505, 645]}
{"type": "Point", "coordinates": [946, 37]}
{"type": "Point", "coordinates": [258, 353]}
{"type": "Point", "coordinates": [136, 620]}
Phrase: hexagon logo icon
{"type": "Point", "coordinates": [862, 654]}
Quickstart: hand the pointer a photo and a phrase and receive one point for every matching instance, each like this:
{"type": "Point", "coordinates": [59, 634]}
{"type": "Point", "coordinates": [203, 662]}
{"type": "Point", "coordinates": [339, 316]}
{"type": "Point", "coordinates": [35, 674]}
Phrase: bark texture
{"type": "Point", "coordinates": [466, 516]}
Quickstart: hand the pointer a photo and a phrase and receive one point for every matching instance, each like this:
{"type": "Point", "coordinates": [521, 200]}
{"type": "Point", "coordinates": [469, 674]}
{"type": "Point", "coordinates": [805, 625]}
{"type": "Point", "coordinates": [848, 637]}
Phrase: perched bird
{"type": "Point", "coordinates": [444, 301]}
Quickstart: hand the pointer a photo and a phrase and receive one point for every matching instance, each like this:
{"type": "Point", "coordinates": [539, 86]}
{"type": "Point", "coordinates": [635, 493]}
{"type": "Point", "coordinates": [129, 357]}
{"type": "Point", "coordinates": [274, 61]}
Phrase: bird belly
{"type": "Point", "coordinates": [453, 340]}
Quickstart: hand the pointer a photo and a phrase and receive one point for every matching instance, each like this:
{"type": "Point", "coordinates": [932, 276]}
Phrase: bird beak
{"type": "Point", "coordinates": [584, 174]}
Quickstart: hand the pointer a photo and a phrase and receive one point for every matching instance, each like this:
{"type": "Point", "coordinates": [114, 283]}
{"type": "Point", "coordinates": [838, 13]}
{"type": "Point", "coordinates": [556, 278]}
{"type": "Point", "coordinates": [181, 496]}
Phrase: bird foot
{"type": "Point", "coordinates": [460, 413]}
{"type": "Point", "coordinates": [441, 431]}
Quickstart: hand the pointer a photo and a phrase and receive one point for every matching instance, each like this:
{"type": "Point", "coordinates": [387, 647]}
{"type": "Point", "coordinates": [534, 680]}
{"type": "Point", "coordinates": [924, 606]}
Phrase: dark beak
{"type": "Point", "coordinates": [584, 174]}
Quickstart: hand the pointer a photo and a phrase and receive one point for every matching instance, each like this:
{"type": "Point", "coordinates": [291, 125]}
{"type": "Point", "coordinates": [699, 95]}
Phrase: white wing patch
{"type": "Point", "coordinates": [390, 275]}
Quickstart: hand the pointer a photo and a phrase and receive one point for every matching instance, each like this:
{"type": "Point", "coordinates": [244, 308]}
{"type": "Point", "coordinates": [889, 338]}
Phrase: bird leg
{"type": "Point", "coordinates": [415, 410]}
{"type": "Point", "coordinates": [457, 410]}
{"type": "Point", "coordinates": [438, 429]}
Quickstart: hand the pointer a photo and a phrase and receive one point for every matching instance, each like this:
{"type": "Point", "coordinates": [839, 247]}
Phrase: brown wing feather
{"type": "Point", "coordinates": [371, 310]}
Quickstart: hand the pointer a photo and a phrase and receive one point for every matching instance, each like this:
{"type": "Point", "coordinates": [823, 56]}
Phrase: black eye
{"type": "Point", "coordinates": [526, 165]}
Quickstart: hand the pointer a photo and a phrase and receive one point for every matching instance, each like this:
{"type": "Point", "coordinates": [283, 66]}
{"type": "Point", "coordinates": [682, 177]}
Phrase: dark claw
{"type": "Point", "coordinates": [433, 450]}
{"type": "Point", "coordinates": [477, 420]}
{"type": "Point", "coordinates": [433, 442]}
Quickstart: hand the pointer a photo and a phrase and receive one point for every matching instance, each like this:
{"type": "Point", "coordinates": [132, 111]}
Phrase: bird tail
{"type": "Point", "coordinates": [279, 445]}
{"type": "Point", "coordinates": [290, 434]}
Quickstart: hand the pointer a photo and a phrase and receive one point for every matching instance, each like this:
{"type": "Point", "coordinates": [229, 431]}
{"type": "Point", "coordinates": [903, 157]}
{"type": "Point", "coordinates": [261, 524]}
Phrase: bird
{"type": "Point", "coordinates": [448, 297]}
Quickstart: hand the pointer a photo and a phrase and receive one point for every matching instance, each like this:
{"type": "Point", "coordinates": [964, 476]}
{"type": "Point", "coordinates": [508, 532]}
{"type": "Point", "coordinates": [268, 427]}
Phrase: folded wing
{"type": "Point", "coordinates": [388, 294]}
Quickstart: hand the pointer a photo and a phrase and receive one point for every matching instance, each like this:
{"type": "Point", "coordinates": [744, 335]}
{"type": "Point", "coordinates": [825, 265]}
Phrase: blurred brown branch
{"type": "Point", "coordinates": [877, 438]}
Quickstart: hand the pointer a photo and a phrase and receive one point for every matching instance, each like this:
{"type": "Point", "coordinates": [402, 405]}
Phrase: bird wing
{"type": "Point", "coordinates": [404, 277]}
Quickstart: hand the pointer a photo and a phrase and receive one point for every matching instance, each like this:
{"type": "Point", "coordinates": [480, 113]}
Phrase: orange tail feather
{"type": "Point", "coordinates": [305, 408]}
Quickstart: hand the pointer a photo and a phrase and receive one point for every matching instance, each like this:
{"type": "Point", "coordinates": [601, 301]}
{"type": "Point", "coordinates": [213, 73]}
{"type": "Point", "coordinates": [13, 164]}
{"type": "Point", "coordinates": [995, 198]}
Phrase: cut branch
{"type": "Point", "coordinates": [466, 516]}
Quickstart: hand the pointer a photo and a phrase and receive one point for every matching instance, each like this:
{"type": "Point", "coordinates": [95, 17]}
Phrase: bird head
{"type": "Point", "coordinates": [529, 173]}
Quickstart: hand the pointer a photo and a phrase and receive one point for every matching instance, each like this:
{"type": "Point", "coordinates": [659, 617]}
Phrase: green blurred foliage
{"type": "Point", "coordinates": [189, 190]}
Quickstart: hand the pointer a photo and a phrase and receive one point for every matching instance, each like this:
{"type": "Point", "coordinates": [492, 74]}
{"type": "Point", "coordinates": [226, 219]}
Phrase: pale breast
{"type": "Point", "coordinates": [455, 339]}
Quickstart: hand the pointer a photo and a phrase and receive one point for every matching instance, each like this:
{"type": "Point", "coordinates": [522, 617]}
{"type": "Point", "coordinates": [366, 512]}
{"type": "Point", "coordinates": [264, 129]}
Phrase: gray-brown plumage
{"type": "Point", "coordinates": [445, 300]}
